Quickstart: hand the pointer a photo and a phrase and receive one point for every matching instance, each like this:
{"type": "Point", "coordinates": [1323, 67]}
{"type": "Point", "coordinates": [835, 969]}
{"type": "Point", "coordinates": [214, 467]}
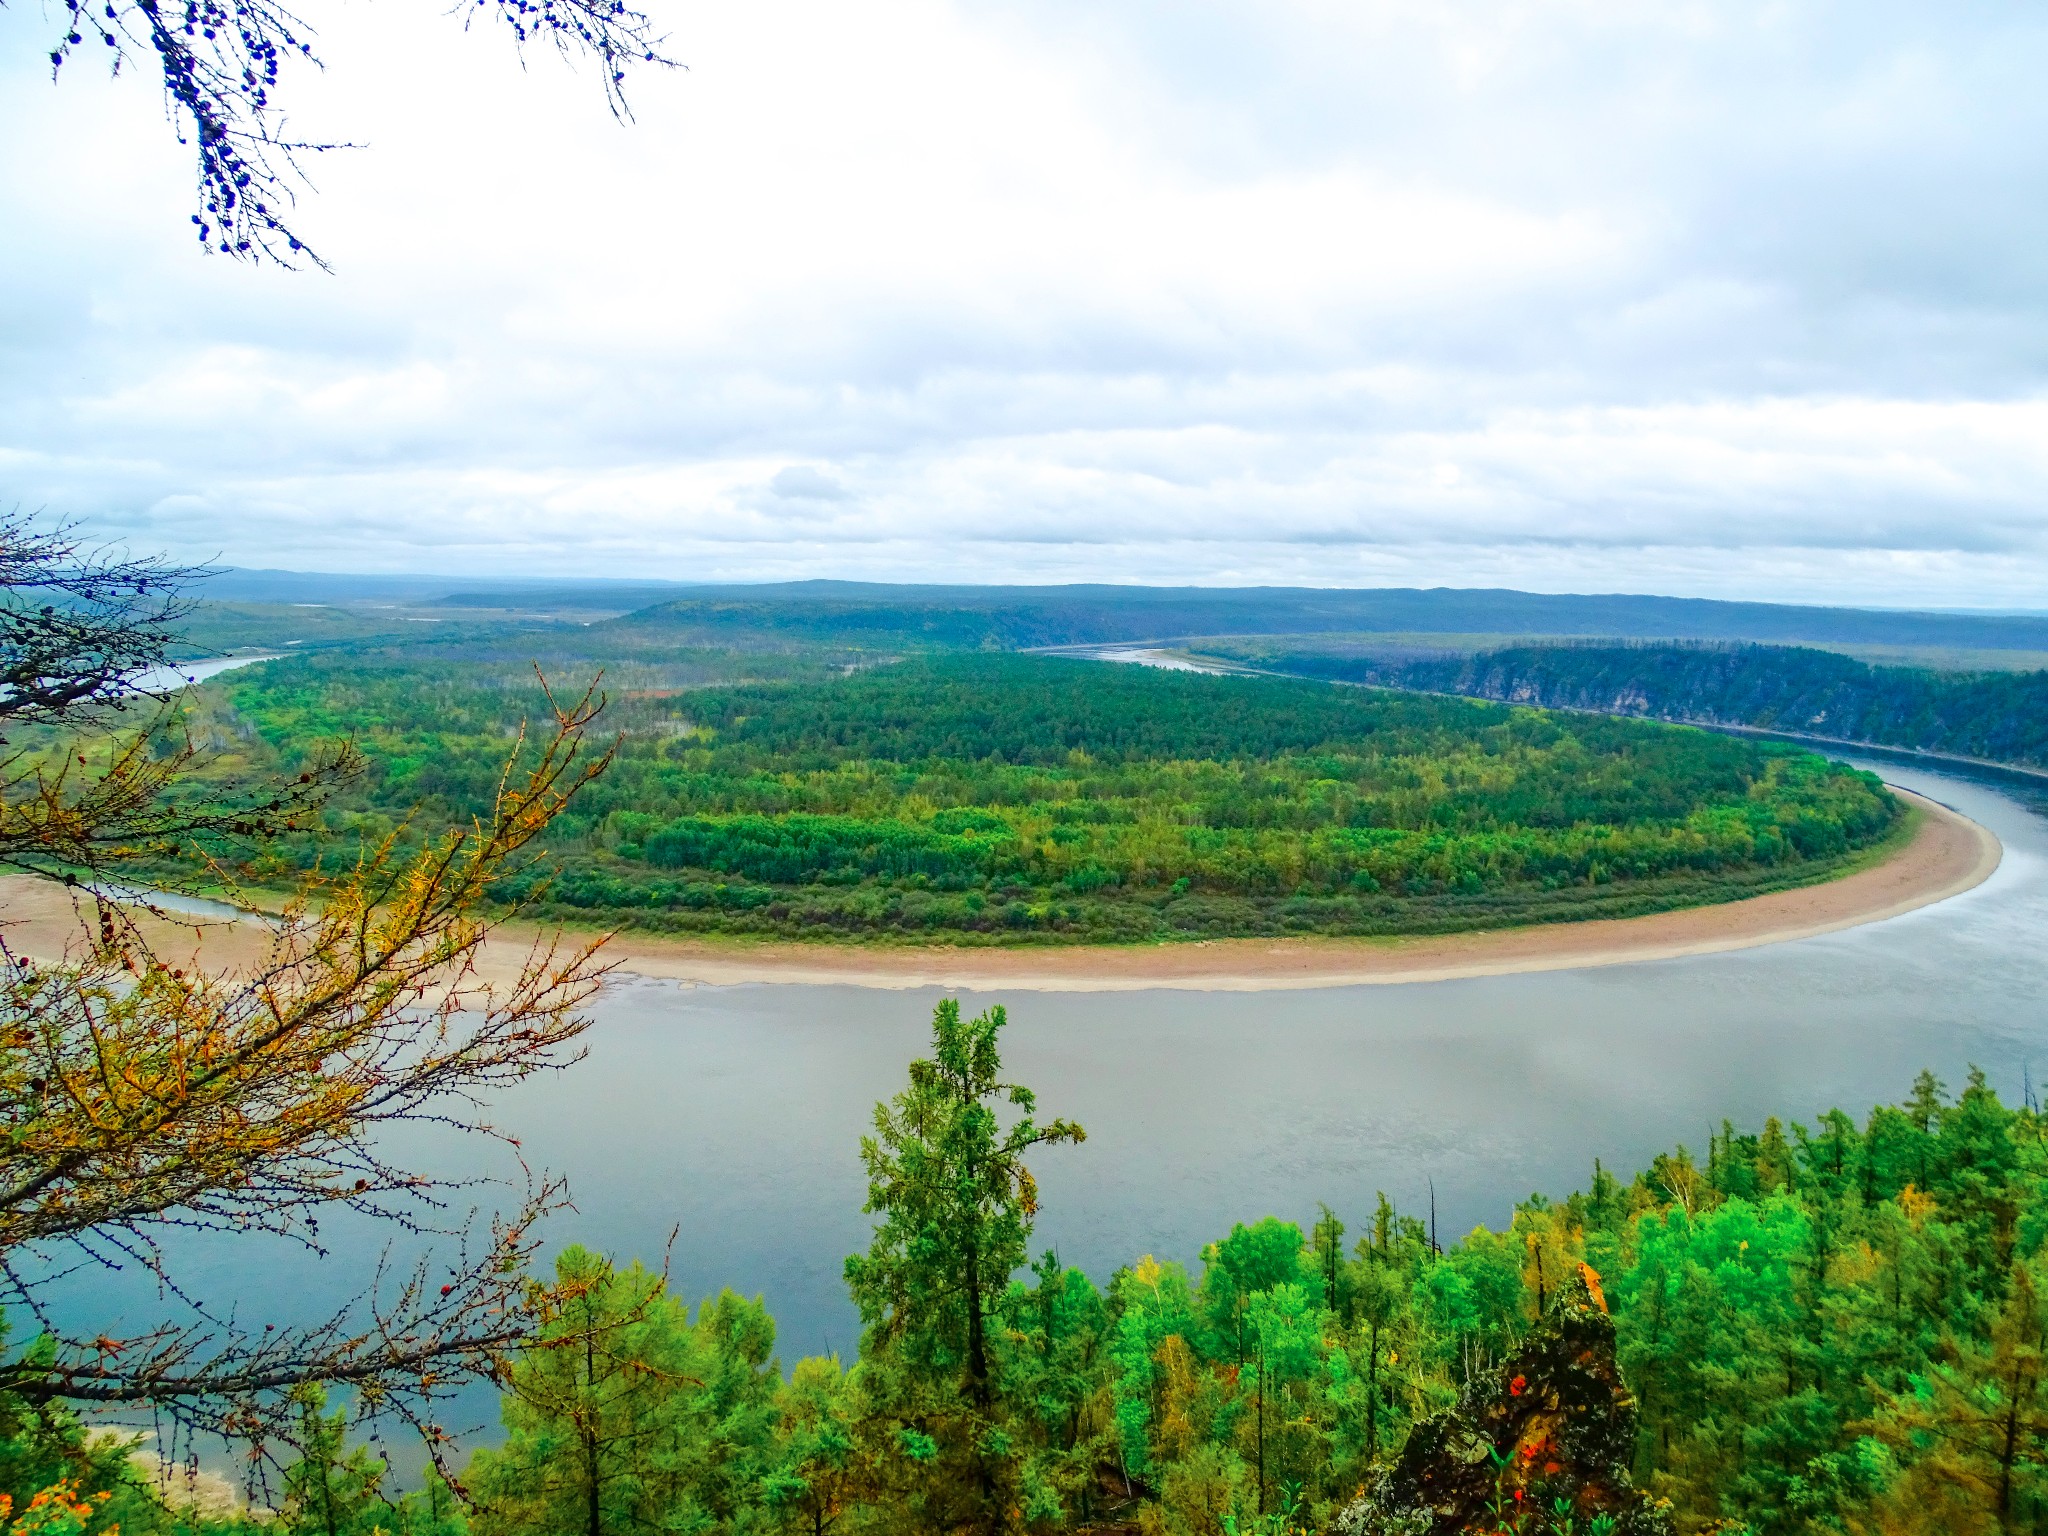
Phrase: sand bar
{"type": "Point", "coordinates": [1947, 855]}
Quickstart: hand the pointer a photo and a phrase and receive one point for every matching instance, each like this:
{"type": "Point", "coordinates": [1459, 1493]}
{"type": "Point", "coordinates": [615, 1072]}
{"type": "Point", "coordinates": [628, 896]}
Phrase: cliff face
{"type": "Point", "coordinates": [1542, 1445]}
{"type": "Point", "coordinates": [1999, 716]}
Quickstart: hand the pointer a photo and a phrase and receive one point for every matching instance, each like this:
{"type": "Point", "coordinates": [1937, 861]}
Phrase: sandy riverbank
{"type": "Point", "coordinates": [1947, 855]}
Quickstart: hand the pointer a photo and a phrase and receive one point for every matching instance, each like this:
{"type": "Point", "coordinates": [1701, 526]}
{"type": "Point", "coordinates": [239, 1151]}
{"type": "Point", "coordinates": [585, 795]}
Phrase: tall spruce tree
{"type": "Point", "coordinates": [947, 1178]}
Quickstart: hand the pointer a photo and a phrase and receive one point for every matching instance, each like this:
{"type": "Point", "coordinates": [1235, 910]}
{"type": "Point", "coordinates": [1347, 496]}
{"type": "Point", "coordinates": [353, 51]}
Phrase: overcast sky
{"type": "Point", "coordinates": [1727, 299]}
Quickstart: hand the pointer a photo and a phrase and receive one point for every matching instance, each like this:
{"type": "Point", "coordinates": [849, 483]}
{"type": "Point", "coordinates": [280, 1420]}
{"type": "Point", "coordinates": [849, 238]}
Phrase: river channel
{"type": "Point", "coordinates": [732, 1115]}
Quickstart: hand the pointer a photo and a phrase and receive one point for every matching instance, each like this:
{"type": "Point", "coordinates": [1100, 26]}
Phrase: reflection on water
{"type": "Point", "coordinates": [176, 904]}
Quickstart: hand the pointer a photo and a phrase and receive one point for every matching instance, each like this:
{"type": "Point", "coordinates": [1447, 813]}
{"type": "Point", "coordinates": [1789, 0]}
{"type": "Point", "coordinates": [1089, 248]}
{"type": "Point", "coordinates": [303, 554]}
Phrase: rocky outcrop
{"type": "Point", "coordinates": [1543, 1444]}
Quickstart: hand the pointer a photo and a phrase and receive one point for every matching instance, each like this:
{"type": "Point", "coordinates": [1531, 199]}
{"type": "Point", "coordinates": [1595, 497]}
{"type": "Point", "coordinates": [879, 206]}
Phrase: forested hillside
{"type": "Point", "coordinates": [1999, 716]}
{"type": "Point", "coordinates": [1825, 1327]}
{"type": "Point", "coordinates": [992, 799]}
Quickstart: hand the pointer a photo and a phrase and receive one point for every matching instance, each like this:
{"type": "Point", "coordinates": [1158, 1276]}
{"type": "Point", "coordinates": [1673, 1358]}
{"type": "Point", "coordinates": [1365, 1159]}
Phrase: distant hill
{"type": "Point", "coordinates": [882, 616]}
{"type": "Point", "coordinates": [1016, 618]}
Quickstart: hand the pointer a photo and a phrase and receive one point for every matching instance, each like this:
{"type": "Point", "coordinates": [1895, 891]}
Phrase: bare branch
{"type": "Point", "coordinates": [222, 63]}
{"type": "Point", "coordinates": [77, 622]}
{"type": "Point", "coordinates": [137, 1099]}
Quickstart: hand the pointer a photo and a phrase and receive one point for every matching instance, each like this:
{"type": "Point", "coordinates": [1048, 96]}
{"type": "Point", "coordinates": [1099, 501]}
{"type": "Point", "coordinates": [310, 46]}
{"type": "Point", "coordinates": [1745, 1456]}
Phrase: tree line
{"type": "Point", "coordinates": [896, 618]}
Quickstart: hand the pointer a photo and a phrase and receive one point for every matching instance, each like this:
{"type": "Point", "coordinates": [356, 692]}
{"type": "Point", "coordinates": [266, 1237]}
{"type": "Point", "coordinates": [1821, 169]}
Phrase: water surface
{"type": "Point", "coordinates": [174, 675]}
{"type": "Point", "coordinates": [734, 1114]}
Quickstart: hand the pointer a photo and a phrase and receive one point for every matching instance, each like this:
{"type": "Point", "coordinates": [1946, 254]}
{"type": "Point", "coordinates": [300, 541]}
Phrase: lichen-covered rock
{"type": "Point", "coordinates": [1543, 1444]}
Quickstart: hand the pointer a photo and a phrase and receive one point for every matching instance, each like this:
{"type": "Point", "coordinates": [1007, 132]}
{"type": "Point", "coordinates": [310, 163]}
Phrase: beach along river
{"type": "Point", "coordinates": [733, 1114]}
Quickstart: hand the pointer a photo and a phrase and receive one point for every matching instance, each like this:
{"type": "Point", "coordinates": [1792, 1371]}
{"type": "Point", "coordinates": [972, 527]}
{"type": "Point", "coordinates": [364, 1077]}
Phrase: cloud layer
{"type": "Point", "coordinates": [1735, 299]}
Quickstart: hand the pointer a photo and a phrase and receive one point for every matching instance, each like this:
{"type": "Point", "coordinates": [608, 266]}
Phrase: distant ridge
{"type": "Point", "coordinates": [1023, 617]}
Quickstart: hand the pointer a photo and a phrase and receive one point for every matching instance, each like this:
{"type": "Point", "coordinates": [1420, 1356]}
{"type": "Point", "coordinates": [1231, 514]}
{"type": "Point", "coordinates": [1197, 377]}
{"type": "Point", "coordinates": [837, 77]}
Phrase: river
{"type": "Point", "coordinates": [733, 1115]}
{"type": "Point", "coordinates": [174, 675]}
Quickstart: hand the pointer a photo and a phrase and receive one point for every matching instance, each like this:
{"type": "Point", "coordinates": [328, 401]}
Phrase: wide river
{"type": "Point", "coordinates": [733, 1115]}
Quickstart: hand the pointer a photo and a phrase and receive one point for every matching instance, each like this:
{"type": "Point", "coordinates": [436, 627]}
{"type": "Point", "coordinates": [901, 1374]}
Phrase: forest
{"type": "Point", "coordinates": [1820, 1327]}
{"type": "Point", "coordinates": [1998, 717]}
{"type": "Point", "coordinates": [998, 799]}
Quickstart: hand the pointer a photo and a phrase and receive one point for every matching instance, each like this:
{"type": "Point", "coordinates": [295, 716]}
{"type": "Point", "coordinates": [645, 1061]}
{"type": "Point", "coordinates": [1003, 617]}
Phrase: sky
{"type": "Point", "coordinates": [1731, 300]}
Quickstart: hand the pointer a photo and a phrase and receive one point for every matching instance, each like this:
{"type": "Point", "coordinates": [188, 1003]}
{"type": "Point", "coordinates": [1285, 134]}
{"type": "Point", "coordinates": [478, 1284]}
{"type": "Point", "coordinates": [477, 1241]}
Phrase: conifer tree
{"type": "Point", "coordinates": [581, 1404]}
{"type": "Point", "coordinates": [1972, 1433]}
{"type": "Point", "coordinates": [1382, 1300]}
{"type": "Point", "coordinates": [956, 1201]}
{"type": "Point", "coordinates": [149, 1096]}
{"type": "Point", "coordinates": [1154, 1305]}
{"type": "Point", "coordinates": [1058, 1330]}
{"type": "Point", "coordinates": [1327, 1238]}
{"type": "Point", "coordinates": [332, 1490]}
{"type": "Point", "coordinates": [1285, 1326]}
{"type": "Point", "coordinates": [622, 1413]}
{"type": "Point", "coordinates": [812, 1482]}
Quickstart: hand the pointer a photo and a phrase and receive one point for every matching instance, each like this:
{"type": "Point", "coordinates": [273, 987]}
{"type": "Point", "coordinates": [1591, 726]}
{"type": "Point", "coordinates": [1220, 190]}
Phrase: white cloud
{"type": "Point", "coordinates": [801, 482]}
{"type": "Point", "coordinates": [1742, 299]}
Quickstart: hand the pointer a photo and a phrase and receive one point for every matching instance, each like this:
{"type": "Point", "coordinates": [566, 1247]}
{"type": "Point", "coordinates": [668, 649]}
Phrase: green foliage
{"type": "Point", "coordinates": [58, 1478]}
{"type": "Point", "coordinates": [1016, 800]}
{"type": "Point", "coordinates": [335, 1489]}
{"type": "Point", "coordinates": [1836, 1328]}
{"type": "Point", "coordinates": [1245, 1266]}
{"type": "Point", "coordinates": [2000, 716]}
{"type": "Point", "coordinates": [331, 1490]}
{"type": "Point", "coordinates": [979, 617]}
{"type": "Point", "coordinates": [955, 1200]}
{"type": "Point", "coordinates": [625, 1413]}
{"type": "Point", "coordinates": [812, 1470]}
{"type": "Point", "coordinates": [98, 1482]}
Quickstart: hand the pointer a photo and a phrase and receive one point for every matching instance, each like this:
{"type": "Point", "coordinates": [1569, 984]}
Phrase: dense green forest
{"type": "Point", "coordinates": [1829, 1327]}
{"type": "Point", "coordinates": [1998, 716]}
{"type": "Point", "coordinates": [1006, 799]}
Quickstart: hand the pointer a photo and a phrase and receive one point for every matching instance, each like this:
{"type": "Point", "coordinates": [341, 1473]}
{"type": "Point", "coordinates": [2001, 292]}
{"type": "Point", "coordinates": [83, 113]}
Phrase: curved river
{"type": "Point", "coordinates": [734, 1114]}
